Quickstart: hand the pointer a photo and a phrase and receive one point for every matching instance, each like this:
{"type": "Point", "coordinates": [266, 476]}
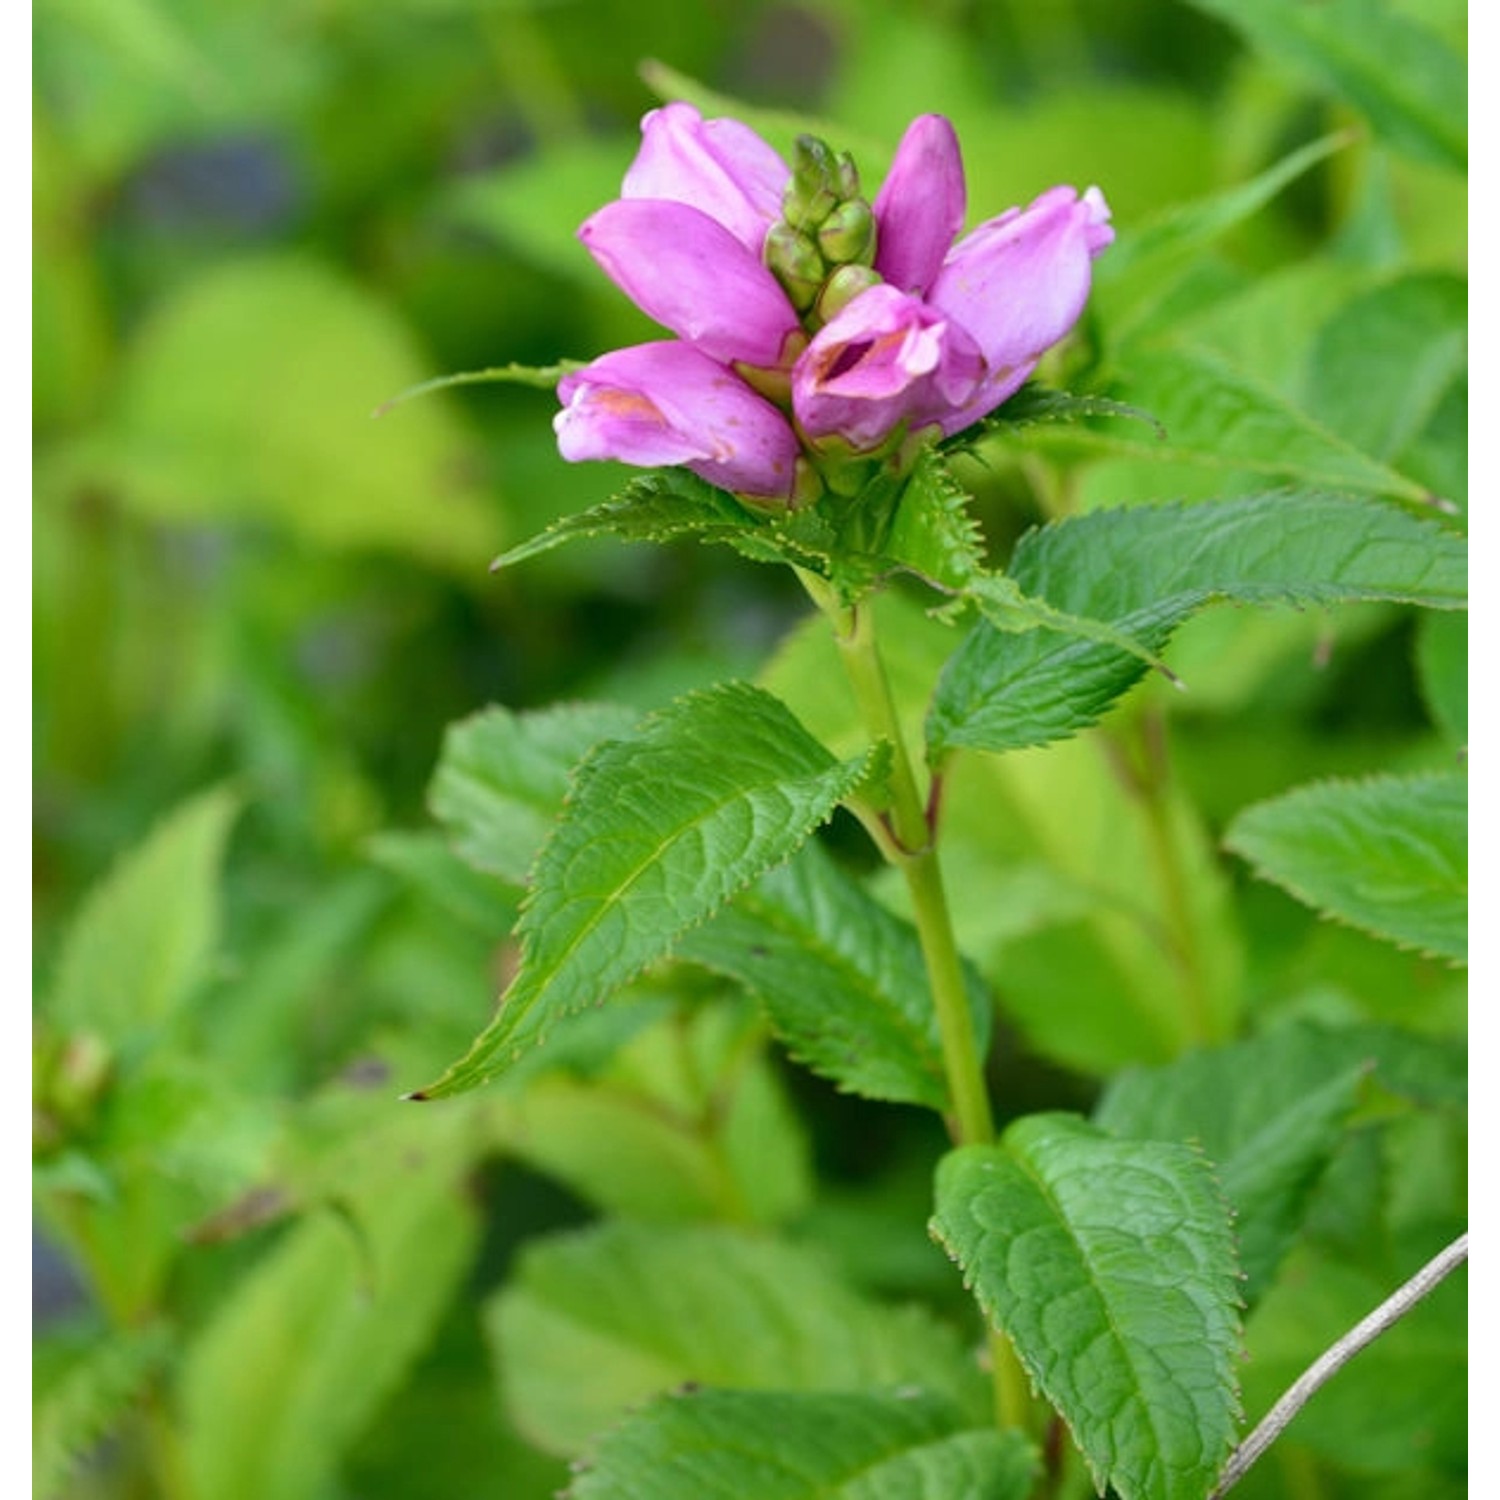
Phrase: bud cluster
{"type": "Point", "coordinates": [822, 249]}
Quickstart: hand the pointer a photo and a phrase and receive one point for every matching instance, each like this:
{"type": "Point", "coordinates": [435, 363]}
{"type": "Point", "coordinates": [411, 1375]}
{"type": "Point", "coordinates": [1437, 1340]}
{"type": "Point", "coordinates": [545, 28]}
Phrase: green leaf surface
{"type": "Point", "coordinates": [597, 1321]}
{"type": "Point", "coordinates": [1388, 855]}
{"type": "Point", "coordinates": [1384, 361]}
{"type": "Point", "coordinates": [1269, 1113]}
{"type": "Point", "coordinates": [657, 507]}
{"type": "Point", "coordinates": [1110, 1265]}
{"type": "Point", "coordinates": [1146, 569]}
{"type": "Point", "coordinates": [841, 979]}
{"type": "Point", "coordinates": [502, 776]}
{"type": "Point", "coordinates": [144, 937]}
{"type": "Point", "coordinates": [297, 1360]}
{"type": "Point", "coordinates": [75, 1410]}
{"type": "Point", "coordinates": [661, 829]}
{"type": "Point", "coordinates": [1219, 417]}
{"type": "Point", "coordinates": [773, 1445]}
{"type": "Point", "coordinates": [1400, 74]}
{"type": "Point", "coordinates": [1443, 672]}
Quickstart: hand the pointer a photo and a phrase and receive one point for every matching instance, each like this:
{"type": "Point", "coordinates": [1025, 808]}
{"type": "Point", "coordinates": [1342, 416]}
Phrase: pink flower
{"type": "Point", "coordinates": [668, 403]}
{"type": "Point", "coordinates": [887, 358]}
{"type": "Point", "coordinates": [857, 338]}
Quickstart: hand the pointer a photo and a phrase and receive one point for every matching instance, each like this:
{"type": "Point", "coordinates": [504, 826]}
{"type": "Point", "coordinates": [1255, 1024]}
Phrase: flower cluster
{"type": "Point", "coordinates": [813, 326]}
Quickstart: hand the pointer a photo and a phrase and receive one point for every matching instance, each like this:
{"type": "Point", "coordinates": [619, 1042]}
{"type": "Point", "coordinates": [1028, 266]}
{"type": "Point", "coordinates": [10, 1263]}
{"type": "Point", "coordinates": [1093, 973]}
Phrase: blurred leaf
{"type": "Point", "coordinates": [83, 1403]}
{"type": "Point", "coordinates": [144, 937]}
{"type": "Point", "coordinates": [1396, 71]}
{"type": "Point", "coordinates": [501, 779]}
{"type": "Point", "coordinates": [535, 204]}
{"type": "Point", "coordinates": [1110, 1265]}
{"type": "Point", "coordinates": [595, 1322]}
{"type": "Point", "coordinates": [1383, 362]}
{"type": "Point", "coordinates": [805, 1447]}
{"type": "Point", "coordinates": [1443, 672]}
{"type": "Point", "coordinates": [687, 1121]}
{"type": "Point", "coordinates": [841, 978]}
{"type": "Point", "coordinates": [1402, 1400]}
{"type": "Point", "coordinates": [1145, 263]}
{"type": "Point", "coordinates": [1388, 855]}
{"type": "Point", "coordinates": [249, 393]}
{"type": "Point", "coordinates": [660, 830]}
{"type": "Point", "coordinates": [1268, 1113]}
{"type": "Point", "coordinates": [1145, 570]}
{"type": "Point", "coordinates": [431, 867]}
{"type": "Point", "coordinates": [296, 1362]}
{"type": "Point", "coordinates": [1217, 416]}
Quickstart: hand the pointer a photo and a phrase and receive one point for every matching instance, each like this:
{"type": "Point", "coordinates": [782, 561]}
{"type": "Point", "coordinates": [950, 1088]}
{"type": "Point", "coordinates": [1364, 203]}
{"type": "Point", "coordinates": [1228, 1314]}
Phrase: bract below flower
{"type": "Point", "coordinates": [886, 359]}
{"type": "Point", "coordinates": [667, 403]}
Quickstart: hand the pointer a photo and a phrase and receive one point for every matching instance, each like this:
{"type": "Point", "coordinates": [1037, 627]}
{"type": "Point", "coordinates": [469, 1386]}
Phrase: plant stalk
{"type": "Point", "coordinates": [911, 846]}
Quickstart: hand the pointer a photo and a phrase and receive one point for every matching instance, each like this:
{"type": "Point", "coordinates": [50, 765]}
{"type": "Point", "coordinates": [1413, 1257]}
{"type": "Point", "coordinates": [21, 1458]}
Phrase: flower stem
{"type": "Point", "coordinates": [909, 842]}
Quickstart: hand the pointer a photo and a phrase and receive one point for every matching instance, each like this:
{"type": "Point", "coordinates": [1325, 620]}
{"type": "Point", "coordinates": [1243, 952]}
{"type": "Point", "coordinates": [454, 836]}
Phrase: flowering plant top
{"type": "Point", "coordinates": [815, 328]}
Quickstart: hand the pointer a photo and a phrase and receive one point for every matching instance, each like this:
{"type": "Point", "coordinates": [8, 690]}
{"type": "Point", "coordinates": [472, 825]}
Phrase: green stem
{"type": "Point", "coordinates": [910, 844]}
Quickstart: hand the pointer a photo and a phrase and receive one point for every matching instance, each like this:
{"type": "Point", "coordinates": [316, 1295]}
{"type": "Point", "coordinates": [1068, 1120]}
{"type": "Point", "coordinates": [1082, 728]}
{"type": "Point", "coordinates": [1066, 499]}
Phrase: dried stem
{"type": "Point", "coordinates": [1329, 1363]}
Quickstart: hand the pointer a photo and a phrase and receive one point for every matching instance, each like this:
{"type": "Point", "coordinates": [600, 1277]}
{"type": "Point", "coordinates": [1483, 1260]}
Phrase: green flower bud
{"type": "Point", "coordinates": [847, 235]}
{"type": "Point", "coordinates": [848, 177]}
{"type": "Point", "coordinates": [793, 259]}
{"type": "Point", "coordinates": [842, 288]}
{"type": "Point", "coordinates": [813, 192]}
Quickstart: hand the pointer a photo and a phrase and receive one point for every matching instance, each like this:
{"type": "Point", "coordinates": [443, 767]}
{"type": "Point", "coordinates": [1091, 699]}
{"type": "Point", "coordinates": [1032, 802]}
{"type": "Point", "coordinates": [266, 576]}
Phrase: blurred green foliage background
{"type": "Point", "coordinates": [256, 221]}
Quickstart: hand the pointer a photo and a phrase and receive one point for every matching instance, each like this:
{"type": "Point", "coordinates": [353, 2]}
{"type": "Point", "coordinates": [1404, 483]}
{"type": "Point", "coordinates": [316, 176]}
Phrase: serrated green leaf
{"type": "Point", "coordinates": [933, 534]}
{"type": "Point", "coordinates": [143, 938]}
{"type": "Point", "coordinates": [661, 829]}
{"type": "Point", "coordinates": [597, 1321]}
{"type": "Point", "coordinates": [841, 979]}
{"type": "Point", "coordinates": [502, 776]}
{"type": "Point", "coordinates": [1218, 417]}
{"type": "Point", "coordinates": [82, 1405]}
{"type": "Point", "coordinates": [1036, 406]}
{"type": "Point", "coordinates": [1146, 569]}
{"type": "Point", "coordinates": [779, 1446]}
{"type": "Point", "coordinates": [656, 507]}
{"type": "Point", "coordinates": [1443, 672]}
{"type": "Point", "coordinates": [1385, 360]}
{"type": "Point", "coordinates": [297, 1360]}
{"type": "Point", "coordinates": [1269, 1114]}
{"type": "Point", "coordinates": [1388, 855]}
{"type": "Point", "coordinates": [1400, 74]}
{"type": "Point", "coordinates": [1110, 1265]}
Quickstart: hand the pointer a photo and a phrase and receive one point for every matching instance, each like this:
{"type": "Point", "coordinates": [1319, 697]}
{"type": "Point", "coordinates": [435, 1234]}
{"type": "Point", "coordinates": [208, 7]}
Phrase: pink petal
{"type": "Point", "coordinates": [920, 206]}
{"type": "Point", "coordinates": [1019, 282]}
{"type": "Point", "coordinates": [885, 359]}
{"type": "Point", "coordinates": [667, 403]}
{"type": "Point", "coordinates": [692, 275]}
{"type": "Point", "coordinates": [720, 167]}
